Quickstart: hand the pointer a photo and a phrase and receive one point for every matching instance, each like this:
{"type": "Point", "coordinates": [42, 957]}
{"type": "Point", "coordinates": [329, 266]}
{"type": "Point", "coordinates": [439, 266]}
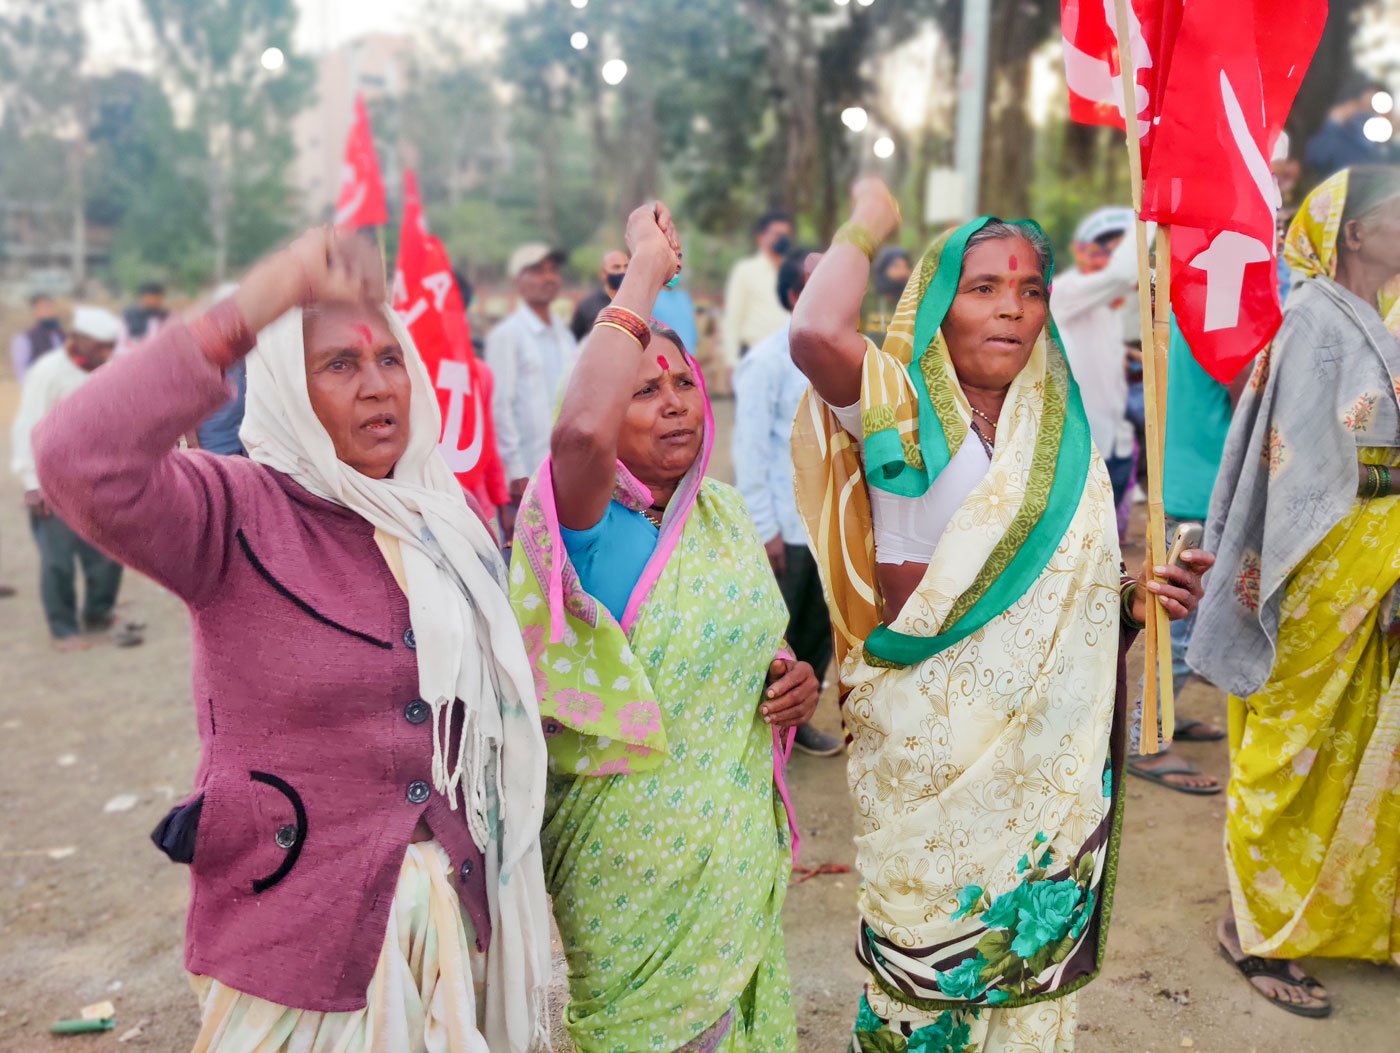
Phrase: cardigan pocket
{"type": "Point", "coordinates": [284, 817]}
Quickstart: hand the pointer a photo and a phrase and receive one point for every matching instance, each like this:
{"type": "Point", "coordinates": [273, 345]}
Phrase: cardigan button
{"type": "Point", "coordinates": [286, 836]}
{"type": "Point", "coordinates": [409, 640]}
{"type": "Point", "coordinates": [466, 870]}
{"type": "Point", "coordinates": [417, 711]}
{"type": "Point", "coordinates": [418, 791]}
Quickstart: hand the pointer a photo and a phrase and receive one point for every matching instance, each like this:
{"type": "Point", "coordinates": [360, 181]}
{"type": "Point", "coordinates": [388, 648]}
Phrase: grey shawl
{"type": "Point", "coordinates": [1329, 384]}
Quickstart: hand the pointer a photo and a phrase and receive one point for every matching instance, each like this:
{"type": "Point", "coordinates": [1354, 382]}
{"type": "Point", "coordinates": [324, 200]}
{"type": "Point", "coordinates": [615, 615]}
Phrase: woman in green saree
{"type": "Point", "coordinates": [966, 533]}
{"type": "Point", "coordinates": [653, 621]}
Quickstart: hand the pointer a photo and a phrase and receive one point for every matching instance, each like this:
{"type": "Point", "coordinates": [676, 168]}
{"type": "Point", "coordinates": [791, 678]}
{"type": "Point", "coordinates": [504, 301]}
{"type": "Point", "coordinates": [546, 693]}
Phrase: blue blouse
{"type": "Point", "coordinates": [611, 555]}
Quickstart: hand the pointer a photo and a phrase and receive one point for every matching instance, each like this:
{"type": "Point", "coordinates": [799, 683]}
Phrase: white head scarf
{"type": "Point", "coordinates": [469, 649]}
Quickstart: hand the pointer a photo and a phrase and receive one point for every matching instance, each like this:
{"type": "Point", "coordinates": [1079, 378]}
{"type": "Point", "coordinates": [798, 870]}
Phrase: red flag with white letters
{"type": "Point", "coordinates": [1219, 80]}
{"type": "Point", "coordinates": [427, 301]}
{"type": "Point", "coordinates": [361, 199]}
{"type": "Point", "coordinates": [1235, 71]}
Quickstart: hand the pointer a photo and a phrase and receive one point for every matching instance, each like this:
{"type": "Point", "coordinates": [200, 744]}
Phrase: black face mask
{"type": "Point", "coordinates": [615, 281]}
{"type": "Point", "coordinates": [51, 324]}
{"type": "Point", "coordinates": [782, 245]}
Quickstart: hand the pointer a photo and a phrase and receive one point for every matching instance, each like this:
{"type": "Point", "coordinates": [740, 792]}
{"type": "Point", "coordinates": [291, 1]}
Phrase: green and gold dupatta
{"type": "Point", "coordinates": [915, 418]}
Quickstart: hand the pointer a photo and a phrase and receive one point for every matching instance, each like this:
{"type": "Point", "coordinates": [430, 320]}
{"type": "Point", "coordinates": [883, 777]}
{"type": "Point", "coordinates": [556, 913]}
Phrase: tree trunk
{"type": "Point", "coordinates": [78, 189]}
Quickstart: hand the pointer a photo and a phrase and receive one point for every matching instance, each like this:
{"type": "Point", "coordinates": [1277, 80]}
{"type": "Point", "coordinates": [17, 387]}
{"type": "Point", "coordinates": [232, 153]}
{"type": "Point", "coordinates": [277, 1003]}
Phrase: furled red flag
{"type": "Point", "coordinates": [1234, 72]}
{"type": "Point", "coordinates": [427, 300]}
{"type": "Point", "coordinates": [361, 200]}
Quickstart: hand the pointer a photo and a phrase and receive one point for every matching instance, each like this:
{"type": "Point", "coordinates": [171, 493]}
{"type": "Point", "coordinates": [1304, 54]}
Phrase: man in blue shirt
{"type": "Point", "coordinates": [767, 390]}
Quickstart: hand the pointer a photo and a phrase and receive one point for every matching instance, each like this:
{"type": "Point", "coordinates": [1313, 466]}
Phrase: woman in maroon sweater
{"type": "Point", "coordinates": [363, 837]}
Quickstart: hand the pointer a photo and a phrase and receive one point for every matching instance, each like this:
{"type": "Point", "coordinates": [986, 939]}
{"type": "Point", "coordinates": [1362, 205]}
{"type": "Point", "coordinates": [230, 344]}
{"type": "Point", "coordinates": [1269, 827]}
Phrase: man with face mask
{"type": "Point", "coordinates": [53, 378]}
{"type": "Point", "coordinates": [45, 334]}
{"type": "Point", "coordinates": [610, 274]}
{"type": "Point", "coordinates": [751, 312]}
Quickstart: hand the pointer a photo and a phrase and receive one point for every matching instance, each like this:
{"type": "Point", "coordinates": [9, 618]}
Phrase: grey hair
{"type": "Point", "coordinates": [1000, 230]}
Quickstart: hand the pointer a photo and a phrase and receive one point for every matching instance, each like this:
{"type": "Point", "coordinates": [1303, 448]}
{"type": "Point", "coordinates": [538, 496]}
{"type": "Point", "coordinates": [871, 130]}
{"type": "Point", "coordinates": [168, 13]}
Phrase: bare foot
{"type": "Point", "coordinates": [68, 644]}
{"type": "Point", "coordinates": [1195, 780]}
{"type": "Point", "coordinates": [1313, 996]}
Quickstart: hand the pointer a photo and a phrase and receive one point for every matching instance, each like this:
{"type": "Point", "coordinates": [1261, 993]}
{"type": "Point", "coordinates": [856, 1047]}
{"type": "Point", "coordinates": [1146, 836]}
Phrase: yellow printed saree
{"type": "Point", "coordinates": [980, 716]}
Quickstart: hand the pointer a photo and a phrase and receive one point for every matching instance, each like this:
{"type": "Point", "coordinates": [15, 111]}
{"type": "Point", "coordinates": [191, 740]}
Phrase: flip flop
{"type": "Point", "coordinates": [1277, 969]}
{"type": "Point", "coordinates": [1158, 775]}
{"type": "Point", "coordinates": [1183, 732]}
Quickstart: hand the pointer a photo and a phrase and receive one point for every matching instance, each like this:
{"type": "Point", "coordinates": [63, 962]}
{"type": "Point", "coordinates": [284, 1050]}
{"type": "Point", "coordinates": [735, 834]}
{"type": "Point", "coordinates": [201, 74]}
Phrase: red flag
{"type": "Point", "coordinates": [361, 200]}
{"type": "Point", "coordinates": [427, 300]}
{"type": "Point", "coordinates": [1089, 30]}
{"type": "Point", "coordinates": [1235, 69]}
{"type": "Point", "coordinates": [1216, 79]}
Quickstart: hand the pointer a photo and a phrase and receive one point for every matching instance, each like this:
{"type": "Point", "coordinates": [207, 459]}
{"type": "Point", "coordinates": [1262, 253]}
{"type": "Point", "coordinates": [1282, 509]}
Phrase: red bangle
{"type": "Point", "coordinates": [222, 333]}
{"type": "Point", "coordinates": [629, 322]}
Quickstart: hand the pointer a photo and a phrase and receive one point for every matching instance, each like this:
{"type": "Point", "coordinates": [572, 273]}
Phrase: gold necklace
{"type": "Point", "coordinates": [646, 514]}
{"type": "Point", "coordinates": [983, 440]}
{"type": "Point", "coordinates": [982, 415]}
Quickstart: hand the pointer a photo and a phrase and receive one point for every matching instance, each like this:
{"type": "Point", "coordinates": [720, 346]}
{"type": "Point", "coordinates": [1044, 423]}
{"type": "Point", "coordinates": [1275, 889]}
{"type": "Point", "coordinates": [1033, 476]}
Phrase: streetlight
{"type": "Point", "coordinates": [1378, 130]}
{"type": "Point", "coordinates": [579, 40]}
{"type": "Point", "coordinates": [1382, 102]}
{"type": "Point", "coordinates": [614, 70]}
{"type": "Point", "coordinates": [884, 147]}
{"type": "Point", "coordinates": [272, 59]}
{"type": "Point", "coordinates": [855, 118]}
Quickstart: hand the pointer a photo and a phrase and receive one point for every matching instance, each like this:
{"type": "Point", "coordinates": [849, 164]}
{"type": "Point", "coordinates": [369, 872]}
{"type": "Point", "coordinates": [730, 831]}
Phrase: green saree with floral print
{"type": "Point", "coordinates": [667, 843]}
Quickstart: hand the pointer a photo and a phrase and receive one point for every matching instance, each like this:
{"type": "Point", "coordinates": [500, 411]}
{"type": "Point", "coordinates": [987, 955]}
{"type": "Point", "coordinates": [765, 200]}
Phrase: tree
{"type": "Point", "coordinates": [241, 112]}
{"type": "Point", "coordinates": [42, 48]}
{"type": "Point", "coordinates": [146, 184]}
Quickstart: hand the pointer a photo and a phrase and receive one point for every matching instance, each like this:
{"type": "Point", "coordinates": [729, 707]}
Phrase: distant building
{"type": "Point", "coordinates": [377, 65]}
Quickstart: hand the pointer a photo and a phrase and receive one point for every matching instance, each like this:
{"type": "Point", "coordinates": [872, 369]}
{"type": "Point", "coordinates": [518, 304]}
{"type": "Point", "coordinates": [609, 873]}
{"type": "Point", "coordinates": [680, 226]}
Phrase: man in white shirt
{"type": "Point", "coordinates": [1087, 302]}
{"type": "Point", "coordinates": [51, 379]}
{"type": "Point", "coordinates": [751, 311]}
{"type": "Point", "coordinates": [767, 390]}
{"type": "Point", "coordinates": [530, 354]}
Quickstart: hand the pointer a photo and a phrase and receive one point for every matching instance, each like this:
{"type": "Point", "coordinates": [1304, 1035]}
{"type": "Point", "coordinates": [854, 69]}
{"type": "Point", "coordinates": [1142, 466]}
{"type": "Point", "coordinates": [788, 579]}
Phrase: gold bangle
{"type": "Point", "coordinates": [625, 332]}
{"type": "Point", "coordinates": [1126, 593]}
{"type": "Point", "coordinates": [615, 309]}
{"type": "Point", "coordinates": [857, 235]}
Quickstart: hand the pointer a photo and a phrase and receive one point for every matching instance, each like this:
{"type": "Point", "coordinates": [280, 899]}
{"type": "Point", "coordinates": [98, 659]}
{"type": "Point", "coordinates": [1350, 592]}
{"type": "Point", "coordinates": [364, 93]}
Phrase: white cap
{"type": "Point", "coordinates": [529, 255]}
{"type": "Point", "coordinates": [97, 323]}
{"type": "Point", "coordinates": [1115, 219]}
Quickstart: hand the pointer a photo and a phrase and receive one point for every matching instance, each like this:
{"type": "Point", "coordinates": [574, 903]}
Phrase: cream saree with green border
{"type": "Point", "coordinates": [980, 716]}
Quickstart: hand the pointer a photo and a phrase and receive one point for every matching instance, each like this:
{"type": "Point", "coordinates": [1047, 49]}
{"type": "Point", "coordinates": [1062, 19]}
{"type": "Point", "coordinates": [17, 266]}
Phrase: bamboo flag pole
{"type": "Point", "coordinates": [1158, 679]}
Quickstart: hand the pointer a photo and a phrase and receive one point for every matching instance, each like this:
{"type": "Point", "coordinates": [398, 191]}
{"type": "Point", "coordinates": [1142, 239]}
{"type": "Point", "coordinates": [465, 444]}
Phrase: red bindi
{"type": "Point", "coordinates": [1012, 263]}
{"type": "Point", "coordinates": [661, 361]}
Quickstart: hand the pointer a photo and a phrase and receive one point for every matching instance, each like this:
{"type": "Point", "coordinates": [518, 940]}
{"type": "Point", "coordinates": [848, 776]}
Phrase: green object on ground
{"type": "Point", "coordinates": [80, 1027]}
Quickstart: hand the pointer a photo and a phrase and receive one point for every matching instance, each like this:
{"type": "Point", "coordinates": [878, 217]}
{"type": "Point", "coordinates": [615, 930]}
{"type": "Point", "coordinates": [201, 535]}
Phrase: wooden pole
{"type": "Point", "coordinates": [1157, 682]}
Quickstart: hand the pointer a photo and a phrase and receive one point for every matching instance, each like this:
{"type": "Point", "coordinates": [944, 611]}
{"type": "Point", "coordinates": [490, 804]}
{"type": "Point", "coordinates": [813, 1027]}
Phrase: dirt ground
{"type": "Point", "coordinates": [89, 910]}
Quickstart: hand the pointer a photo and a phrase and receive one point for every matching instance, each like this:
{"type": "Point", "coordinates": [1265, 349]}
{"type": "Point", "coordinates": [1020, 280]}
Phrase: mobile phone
{"type": "Point", "coordinates": [1188, 535]}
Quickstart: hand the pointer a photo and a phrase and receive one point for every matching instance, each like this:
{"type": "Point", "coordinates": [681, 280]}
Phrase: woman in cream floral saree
{"type": "Point", "coordinates": [979, 636]}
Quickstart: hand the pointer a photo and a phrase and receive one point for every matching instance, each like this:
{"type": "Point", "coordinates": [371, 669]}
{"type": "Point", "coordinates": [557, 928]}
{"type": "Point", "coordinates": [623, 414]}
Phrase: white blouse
{"type": "Point", "coordinates": [907, 529]}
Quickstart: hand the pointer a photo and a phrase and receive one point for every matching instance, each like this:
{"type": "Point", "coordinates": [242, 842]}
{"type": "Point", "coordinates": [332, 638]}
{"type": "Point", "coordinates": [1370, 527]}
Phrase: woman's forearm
{"type": "Point", "coordinates": [1376, 480]}
{"type": "Point", "coordinates": [826, 341]}
{"type": "Point", "coordinates": [583, 445]}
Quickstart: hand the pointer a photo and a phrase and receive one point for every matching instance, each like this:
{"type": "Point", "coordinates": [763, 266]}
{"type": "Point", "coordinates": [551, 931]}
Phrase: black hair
{"type": "Point", "coordinates": [150, 289]}
{"type": "Point", "coordinates": [790, 276]}
{"type": "Point", "coordinates": [464, 288]}
{"type": "Point", "coordinates": [774, 215]}
{"type": "Point", "coordinates": [1356, 85]}
{"type": "Point", "coordinates": [664, 331]}
{"type": "Point", "coordinates": [35, 299]}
